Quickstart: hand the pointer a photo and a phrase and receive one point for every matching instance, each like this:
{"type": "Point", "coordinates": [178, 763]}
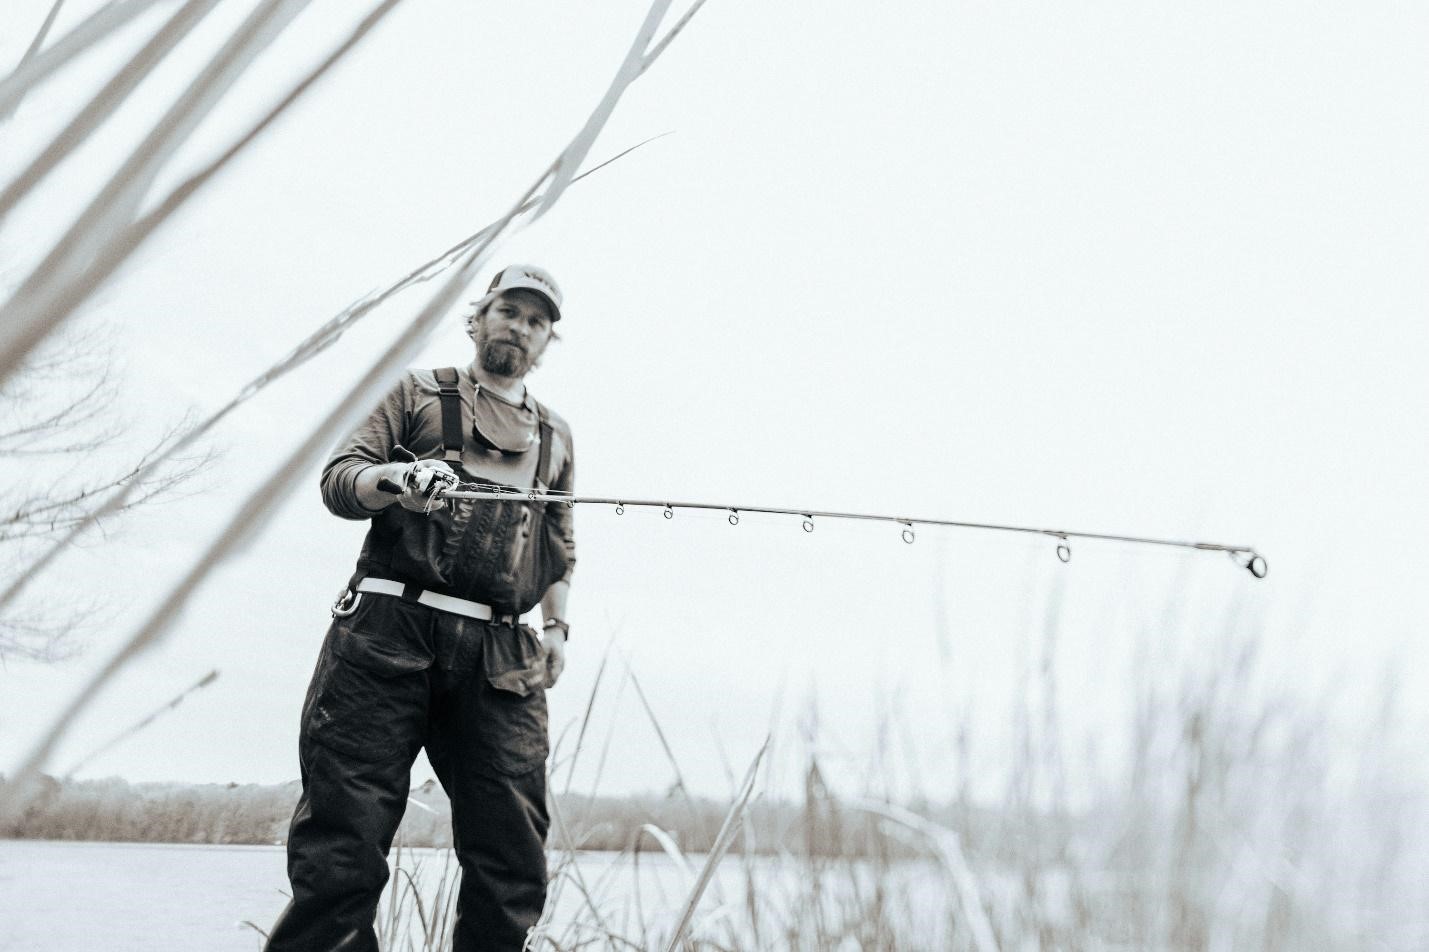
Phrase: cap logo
{"type": "Point", "coordinates": [529, 276]}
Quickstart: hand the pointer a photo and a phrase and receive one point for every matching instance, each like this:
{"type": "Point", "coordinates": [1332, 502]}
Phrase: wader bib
{"type": "Point", "coordinates": [503, 553]}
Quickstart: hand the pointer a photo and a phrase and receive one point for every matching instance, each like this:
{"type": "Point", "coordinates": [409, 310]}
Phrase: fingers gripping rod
{"type": "Point", "coordinates": [1243, 555]}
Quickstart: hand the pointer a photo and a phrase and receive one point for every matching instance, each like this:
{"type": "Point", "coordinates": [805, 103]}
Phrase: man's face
{"type": "Point", "coordinates": [513, 333]}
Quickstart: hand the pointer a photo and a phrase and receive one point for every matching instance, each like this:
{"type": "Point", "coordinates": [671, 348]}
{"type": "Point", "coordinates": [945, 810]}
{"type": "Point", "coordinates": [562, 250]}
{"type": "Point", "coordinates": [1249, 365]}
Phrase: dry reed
{"type": "Point", "coordinates": [1222, 830]}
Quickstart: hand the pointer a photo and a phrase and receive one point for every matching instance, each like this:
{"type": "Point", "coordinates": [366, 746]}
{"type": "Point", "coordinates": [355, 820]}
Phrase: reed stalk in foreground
{"type": "Point", "coordinates": [40, 63]}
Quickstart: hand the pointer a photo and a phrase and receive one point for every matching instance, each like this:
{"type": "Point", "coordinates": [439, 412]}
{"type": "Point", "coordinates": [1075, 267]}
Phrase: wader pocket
{"type": "Point", "coordinates": [370, 692]}
{"type": "Point", "coordinates": [514, 730]}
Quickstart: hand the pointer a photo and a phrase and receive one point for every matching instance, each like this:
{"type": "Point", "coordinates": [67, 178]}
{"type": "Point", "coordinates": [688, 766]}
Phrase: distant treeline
{"type": "Point", "coordinates": [116, 810]}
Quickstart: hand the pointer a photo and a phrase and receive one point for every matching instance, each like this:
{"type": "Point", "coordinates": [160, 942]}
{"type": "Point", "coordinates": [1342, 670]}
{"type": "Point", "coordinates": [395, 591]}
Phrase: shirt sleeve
{"type": "Point", "coordinates": [371, 443]}
{"type": "Point", "coordinates": [565, 515]}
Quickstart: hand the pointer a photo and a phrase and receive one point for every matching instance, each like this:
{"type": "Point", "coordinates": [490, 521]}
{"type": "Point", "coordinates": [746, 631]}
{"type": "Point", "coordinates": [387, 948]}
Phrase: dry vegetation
{"type": "Point", "coordinates": [1245, 817]}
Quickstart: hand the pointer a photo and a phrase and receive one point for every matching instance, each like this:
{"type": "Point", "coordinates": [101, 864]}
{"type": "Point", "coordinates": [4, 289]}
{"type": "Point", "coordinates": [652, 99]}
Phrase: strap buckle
{"type": "Point", "coordinates": [346, 603]}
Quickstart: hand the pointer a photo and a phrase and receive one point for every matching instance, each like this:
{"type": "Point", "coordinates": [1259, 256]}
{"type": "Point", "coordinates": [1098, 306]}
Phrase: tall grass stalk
{"type": "Point", "coordinates": [716, 853]}
{"type": "Point", "coordinates": [38, 65]}
{"type": "Point", "coordinates": [110, 97]}
{"type": "Point", "coordinates": [674, 763]}
{"type": "Point", "coordinates": [38, 41]}
{"type": "Point", "coordinates": [53, 290]}
{"type": "Point", "coordinates": [948, 847]}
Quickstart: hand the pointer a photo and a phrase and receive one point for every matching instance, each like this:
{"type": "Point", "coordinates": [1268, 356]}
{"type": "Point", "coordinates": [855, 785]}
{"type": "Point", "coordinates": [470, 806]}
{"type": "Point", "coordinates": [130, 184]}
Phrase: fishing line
{"type": "Point", "coordinates": [1243, 555]}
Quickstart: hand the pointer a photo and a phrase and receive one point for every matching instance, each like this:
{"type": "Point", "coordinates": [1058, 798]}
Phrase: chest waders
{"type": "Point", "coordinates": [504, 553]}
{"type": "Point", "coordinates": [394, 677]}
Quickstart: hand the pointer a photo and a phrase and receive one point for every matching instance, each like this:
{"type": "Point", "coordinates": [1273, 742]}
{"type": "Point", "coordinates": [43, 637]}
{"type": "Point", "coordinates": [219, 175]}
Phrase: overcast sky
{"type": "Point", "coordinates": [1127, 268]}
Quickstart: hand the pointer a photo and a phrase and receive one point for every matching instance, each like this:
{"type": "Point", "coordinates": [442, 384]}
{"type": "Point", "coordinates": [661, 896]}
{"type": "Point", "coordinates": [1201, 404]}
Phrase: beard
{"type": "Point", "coordinates": [503, 358]}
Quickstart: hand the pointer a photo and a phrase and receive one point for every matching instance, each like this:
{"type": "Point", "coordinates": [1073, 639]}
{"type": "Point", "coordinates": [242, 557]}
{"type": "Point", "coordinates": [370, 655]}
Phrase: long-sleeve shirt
{"type": "Point", "coordinates": [469, 548]}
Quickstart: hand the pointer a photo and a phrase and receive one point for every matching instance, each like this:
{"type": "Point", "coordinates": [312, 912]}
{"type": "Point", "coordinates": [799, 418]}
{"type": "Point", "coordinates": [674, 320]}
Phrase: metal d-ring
{"type": "Point", "coordinates": [734, 517]}
{"type": "Point", "coordinates": [808, 523]}
{"type": "Point", "coordinates": [908, 534]}
{"type": "Point", "coordinates": [669, 512]}
{"type": "Point", "coordinates": [1064, 551]}
{"type": "Point", "coordinates": [346, 603]}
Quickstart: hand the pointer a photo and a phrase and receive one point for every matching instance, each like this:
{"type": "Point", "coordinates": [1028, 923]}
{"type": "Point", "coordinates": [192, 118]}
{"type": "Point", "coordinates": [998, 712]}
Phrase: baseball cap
{"type": "Point", "coordinates": [532, 278]}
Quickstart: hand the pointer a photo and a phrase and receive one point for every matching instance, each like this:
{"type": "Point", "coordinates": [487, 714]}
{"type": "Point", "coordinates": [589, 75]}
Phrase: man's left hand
{"type": "Point", "coordinates": [553, 650]}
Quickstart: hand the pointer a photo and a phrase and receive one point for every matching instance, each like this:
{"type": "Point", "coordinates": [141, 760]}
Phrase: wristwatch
{"type": "Point", "coordinates": [558, 623]}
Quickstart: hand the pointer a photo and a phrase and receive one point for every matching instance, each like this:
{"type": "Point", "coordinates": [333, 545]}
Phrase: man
{"type": "Point", "coordinates": [426, 648]}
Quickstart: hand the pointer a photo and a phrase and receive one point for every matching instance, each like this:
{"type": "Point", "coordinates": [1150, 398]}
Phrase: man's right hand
{"type": "Point", "coordinates": [416, 480]}
{"type": "Point", "coordinates": [421, 480]}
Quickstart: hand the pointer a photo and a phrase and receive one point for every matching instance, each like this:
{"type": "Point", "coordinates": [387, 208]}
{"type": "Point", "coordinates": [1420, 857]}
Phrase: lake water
{"type": "Point", "coordinates": [133, 896]}
{"type": "Point", "coordinates": [144, 897]}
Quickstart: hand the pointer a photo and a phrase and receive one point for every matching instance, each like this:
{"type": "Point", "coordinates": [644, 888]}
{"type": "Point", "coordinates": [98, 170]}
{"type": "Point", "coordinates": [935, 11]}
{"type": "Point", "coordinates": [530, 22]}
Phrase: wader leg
{"type": "Point", "coordinates": [362, 726]}
{"type": "Point", "coordinates": [488, 747]}
{"type": "Point", "coordinates": [337, 852]}
{"type": "Point", "coordinates": [499, 832]}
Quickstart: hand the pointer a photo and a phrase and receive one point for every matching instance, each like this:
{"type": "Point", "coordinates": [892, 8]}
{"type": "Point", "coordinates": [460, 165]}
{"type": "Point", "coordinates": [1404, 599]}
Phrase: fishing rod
{"type": "Point", "coordinates": [1243, 555]}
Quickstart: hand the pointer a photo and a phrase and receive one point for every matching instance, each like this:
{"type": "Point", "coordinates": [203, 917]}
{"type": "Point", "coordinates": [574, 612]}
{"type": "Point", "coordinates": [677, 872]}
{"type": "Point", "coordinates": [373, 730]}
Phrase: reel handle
{"type": "Point", "coordinates": [399, 454]}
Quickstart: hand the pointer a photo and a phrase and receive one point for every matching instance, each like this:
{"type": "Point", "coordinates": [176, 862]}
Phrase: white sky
{"type": "Point", "coordinates": [1145, 269]}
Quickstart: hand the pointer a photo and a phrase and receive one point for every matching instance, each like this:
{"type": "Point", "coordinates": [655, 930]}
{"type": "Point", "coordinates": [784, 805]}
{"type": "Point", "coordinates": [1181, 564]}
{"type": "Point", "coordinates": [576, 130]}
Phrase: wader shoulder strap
{"type": "Point", "coordinates": [452, 435]}
{"type": "Point", "coordinates": [543, 462]}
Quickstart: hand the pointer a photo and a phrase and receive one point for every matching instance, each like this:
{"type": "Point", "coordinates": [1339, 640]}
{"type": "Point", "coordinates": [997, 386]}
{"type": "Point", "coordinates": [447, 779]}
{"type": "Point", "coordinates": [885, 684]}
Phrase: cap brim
{"type": "Point", "coordinates": [535, 289]}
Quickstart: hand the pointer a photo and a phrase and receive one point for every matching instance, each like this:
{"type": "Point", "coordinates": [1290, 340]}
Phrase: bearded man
{"type": "Point", "coordinates": [427, 647]}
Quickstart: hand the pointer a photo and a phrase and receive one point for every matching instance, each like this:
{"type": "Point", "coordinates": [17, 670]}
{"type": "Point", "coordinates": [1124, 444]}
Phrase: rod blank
{"type": "Point", "coordinates": [1253, 562]}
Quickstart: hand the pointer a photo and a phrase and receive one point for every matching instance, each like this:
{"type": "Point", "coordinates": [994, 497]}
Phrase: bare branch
{"type": "Point", "coordinates": [144, 485]}
{"type": "Point", "coordinates": [33, 637]}
{"type": "Point", "coordinates": [53, 511]}
{"type": "Point", "coordinates": [76, 413]}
